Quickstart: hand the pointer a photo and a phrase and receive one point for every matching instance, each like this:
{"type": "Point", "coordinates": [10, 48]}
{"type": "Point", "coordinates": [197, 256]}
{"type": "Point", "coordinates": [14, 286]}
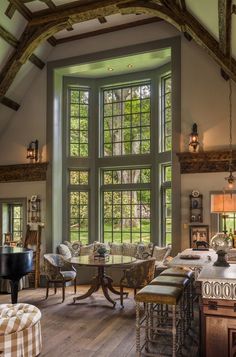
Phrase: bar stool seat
{"type": "Point", "coordinates": [179, 271]}
{"type": "Point", "coordinates": [157, 294]}
{"type": "Point", "coordinates": [177, 281]}
{"type": "Point", "coordinates": [155, 321]}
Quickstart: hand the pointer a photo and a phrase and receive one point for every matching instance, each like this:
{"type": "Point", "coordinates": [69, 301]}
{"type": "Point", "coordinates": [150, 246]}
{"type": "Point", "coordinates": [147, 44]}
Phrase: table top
{"type": "Point", "coordinates": [203, 261]}
{"type": "Point", "coordinates": [214, 273]}
{"type": "Point", "coordinates": [109, 261]}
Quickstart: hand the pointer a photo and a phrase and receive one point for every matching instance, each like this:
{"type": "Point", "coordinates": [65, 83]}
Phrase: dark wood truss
{"type": "Point", "coordinates": [42, 25]}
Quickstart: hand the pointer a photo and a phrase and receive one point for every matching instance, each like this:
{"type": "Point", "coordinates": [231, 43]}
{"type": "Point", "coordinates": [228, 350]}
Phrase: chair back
{"type": "Point", "coordinates": [52, 265]}
{"type": "Point", "coordinates": [140, 274]}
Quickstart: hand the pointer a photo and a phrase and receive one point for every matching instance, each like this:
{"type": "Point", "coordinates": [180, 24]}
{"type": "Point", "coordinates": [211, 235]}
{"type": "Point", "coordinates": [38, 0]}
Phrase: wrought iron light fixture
{"type": "Point", "coordinates": [193, 139]}
{"type": "Point", "coordinates": [32, 151]}
{"type": "Point", "coordinates": [230, 179]}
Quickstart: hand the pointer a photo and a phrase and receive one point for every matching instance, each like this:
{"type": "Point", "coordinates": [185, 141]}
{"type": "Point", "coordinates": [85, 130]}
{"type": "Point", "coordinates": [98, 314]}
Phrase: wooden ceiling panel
{"type": "Point", "coordinates": [94, 25]}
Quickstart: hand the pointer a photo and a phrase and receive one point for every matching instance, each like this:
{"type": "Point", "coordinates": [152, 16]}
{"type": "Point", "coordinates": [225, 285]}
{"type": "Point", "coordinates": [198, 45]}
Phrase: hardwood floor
{"type": "Point", "coordinates": [88, 328]}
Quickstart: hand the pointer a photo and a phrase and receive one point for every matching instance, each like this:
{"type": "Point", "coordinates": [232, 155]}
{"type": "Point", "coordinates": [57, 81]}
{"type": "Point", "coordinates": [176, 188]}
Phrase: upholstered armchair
{"type": "Point", "coordinates": [58, 272]}
{"type": "Point", "coordinates": [137, 276]}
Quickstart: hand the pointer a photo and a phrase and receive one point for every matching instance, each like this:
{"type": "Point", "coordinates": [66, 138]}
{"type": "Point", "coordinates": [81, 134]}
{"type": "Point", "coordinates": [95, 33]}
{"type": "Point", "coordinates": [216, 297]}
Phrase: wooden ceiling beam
{"type": "Point", "coordinates": [187, 23]}
{"type": "Point", "coordinates": [9, 103]}
{"type": "Point", "coordinates": [224, 16]}
{"type": "Point", "coordinates": [44, 26]}
{"type": "Point", "coordinates": [107, 30]}
{"type": "Point", "coordinates": [9, 38]}
{"type": "Point", "coordinates": [23, 10]}
{"type": "Point", "coordinates": [28, 42]}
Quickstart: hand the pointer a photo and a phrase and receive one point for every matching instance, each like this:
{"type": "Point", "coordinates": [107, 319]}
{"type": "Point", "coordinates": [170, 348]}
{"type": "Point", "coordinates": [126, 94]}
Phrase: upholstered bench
{"type": "Point", "coordinates": [20, 330]}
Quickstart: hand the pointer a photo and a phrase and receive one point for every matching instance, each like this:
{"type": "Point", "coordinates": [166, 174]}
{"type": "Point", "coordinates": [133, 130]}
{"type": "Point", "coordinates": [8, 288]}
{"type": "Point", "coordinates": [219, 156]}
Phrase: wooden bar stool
{"type": "Point", "coordinates": [152, 295]}
{"type": "Point", "coordinates": [182, 283]}
{"type": "Point", "coordinates": [186, 273]}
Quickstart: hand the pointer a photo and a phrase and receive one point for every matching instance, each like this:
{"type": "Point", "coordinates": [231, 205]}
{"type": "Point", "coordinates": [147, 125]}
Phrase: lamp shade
{"type": "Point", "coordinates": [223, 202]}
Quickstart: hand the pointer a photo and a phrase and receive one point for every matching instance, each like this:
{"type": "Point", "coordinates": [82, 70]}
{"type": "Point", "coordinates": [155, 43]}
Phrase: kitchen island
{"type": "Point", "coordinates": [218, 311]}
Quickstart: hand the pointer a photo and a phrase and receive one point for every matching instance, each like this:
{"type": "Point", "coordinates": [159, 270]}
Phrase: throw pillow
{"type": "Point", "coordinates": [87, 249]}
{"type": "Point", "coordinates": [116, 248]}
{"type": "Point", "coordinates": [144, 251]}
{"type": "Point", "coordinates": [130, 249]}
{"type": "Point", "coordinates": [159, 253]}
{"type": "Point", "coordinates": [64, 251]}
{"type": "Point", "coordinates": [74, 247]}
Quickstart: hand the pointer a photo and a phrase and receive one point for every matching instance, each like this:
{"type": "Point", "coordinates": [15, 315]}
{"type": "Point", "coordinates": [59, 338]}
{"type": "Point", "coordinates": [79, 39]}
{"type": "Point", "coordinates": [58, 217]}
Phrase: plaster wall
{"type": "Point", "coordinates": [204, 101]}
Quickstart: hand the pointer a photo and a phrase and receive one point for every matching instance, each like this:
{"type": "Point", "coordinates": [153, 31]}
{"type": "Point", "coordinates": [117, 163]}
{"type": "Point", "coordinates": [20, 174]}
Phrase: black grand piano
{"type": "Point", "coordinates": [15, 262]}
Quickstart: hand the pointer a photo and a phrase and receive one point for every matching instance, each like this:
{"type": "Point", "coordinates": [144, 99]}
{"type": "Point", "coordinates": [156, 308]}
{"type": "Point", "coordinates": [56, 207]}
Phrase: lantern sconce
{"type": "Point", "coordinates": [193, 140]}
{"type": "Point", "coordinates": [32, 151]}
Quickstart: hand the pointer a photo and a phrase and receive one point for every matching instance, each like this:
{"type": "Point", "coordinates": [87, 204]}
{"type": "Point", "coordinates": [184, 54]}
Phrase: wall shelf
{"type": "Point", "coordinates": [23, 172]}
{"type": "Point", "coordinates": [205, 161]}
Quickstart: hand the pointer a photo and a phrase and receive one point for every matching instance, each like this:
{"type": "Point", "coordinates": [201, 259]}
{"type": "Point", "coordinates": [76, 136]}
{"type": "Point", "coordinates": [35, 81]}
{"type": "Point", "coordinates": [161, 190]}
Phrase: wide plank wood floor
{"type": "Point", "coordinates": [89, 328]}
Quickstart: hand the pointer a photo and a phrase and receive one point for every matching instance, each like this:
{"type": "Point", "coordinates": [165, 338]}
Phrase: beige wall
{"type": "Point", "coordinates": [204, 101]}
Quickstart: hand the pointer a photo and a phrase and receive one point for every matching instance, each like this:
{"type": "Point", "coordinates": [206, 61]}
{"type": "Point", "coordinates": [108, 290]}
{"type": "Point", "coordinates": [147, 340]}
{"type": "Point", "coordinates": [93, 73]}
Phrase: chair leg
{"type": "Point", "coordinates": [121, 296]}
{"type": "Point", "coordinates": [135, 291]}
{"type": "Point", "coordinates": [75, 285]}
{"type": "Point", "coordinates": [63, 291]}
{"type": "Point", "coordinates": [55, 288]}
{"type": "Point", "coordinates": [47, 289]}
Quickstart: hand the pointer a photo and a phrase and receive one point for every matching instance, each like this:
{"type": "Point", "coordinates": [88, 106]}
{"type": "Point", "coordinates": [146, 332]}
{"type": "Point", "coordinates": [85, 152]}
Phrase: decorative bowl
{"type": "Point", "coordinates": [221, 241]}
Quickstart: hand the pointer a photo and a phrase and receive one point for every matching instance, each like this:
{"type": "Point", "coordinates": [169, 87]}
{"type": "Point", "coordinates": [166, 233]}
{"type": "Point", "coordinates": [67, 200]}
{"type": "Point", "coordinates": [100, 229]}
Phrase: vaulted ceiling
{"type": "Point", "coordinates": [29, 29]}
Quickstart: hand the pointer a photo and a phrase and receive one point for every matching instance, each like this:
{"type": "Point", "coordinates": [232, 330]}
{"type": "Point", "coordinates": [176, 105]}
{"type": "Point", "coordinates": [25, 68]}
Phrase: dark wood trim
{"type": "Point", "coordinates": [23, 172]}
{"type": "Point", "coordinates": [224, 12]}
{"type": "Point", "coordinates": [52, 41]}
{"type": "Point", "coordinates": [10, 11]}
{"type": "Point", "coordinates": [102, 19]}
{"type": "Point", "coordinates": [36, 61]}
{"type": "Point", "coordinates": [206, 161]}
{"type": "Point", "coordinates": [23, 10]}
{"type": "Point", "coordinates": [9, 103]}
{"type": "Point", "coordinates": [8, 37]}
{"type": "Point", "coordinates": [107, 30]}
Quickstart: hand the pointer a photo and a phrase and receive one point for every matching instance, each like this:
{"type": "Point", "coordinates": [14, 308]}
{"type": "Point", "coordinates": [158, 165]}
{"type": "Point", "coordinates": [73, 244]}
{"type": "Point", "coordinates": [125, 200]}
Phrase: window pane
{"type": "Point", "coordinates": [78, 216]}
{"type": "Point", "coordinates": [78, 177]}
{"type": "Point", "coordinates": [166, 120]}
{"type": "Point", "coordinates": [126, 176]}
{"type": "Point", "coordinates": [78, 122]}
{"type": "Point", "coordinates": [126, 216]}
{"type": "Point", "coordinates": [126, 120]}
{"type": "Point", "coordinates": [17, 222]}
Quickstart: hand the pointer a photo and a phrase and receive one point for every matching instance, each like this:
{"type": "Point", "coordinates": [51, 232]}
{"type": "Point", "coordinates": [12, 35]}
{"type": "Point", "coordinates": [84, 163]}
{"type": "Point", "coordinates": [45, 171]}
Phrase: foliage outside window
{"type": "Point", "coordinates": [126, 120]}
{"type": "Point", "coordinates": [166, 204]}
{"type": "Point", "coordinates": [16, 225]}
{"type": "Point", "coordinates": [122, 193]}
{"type": "Point", "coordinates": [78, 122]}
{"type": "Point", "coordinates": [126, 212]}
{"type": "Point", "coordinates": [79, 205]}
{"type": "Point", "coordinates": [166, 120]}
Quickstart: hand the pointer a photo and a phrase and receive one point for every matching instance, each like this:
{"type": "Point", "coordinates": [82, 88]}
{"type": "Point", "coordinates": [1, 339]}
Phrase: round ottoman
{"type": "Point", "coordinates": [20, 330]}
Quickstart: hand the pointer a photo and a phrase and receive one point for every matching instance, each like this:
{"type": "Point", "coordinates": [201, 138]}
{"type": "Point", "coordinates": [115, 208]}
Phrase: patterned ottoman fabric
{"type": "Point", "coordinates": [20, 330]}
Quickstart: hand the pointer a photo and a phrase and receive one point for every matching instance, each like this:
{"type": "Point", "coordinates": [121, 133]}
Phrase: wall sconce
{"type": "Point", "coordinates": [32, 151]}
{"type": "Point", "coordinates": [193, 139]}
